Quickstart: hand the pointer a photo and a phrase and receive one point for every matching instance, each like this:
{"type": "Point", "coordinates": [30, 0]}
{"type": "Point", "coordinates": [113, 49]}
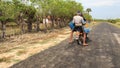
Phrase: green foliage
{"type": "Point", "coordinates": [6, 9]}
{"type": "Point", "coordinates": [100, 20]}
{"type": "Point", "coordinates": [88, 10]}
{"type": "Point", "coordinates": [2, 18]}
{"type": "Point", "coordinates": [112, 21]}
{"type": "Point", "coordinates": [23, 11]}
{"type": "Point", "coordinates": [28, 11]}
{"type": "Point", "coordinates": [87, 16]}
{"type": "Point", "coordinates": [59, 8]}
{"type": "Point", "coordinates": [118, 20]}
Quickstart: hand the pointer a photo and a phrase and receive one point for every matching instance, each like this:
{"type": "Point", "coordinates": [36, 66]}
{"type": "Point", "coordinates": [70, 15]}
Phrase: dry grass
{"type": "Point", "coordinates": [16, 30]}
{"type": "Point", "coordinates": [16, 60]}
{"type": "Point", "coordinates": [42, 26]}
{"type": "Point", "coordinates": [116, 24]}
{"type": "Point", "coordinates": [21, 52]}
{"type": "Point", "coordinates": [5, 59]}
{"type": "Point", "coordinates": [32, 38]}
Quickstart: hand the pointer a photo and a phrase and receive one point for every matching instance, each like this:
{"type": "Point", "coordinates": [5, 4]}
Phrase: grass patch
{"type": "Point", "coordinates": [5, 59]}
{"type": "Point", "coordinates": [34, 42]}
{"type": "Point", "coordinates": [116, 24]}
{"type": "Point", "coordinates": [10, 50]}
{"type": "Point", "coordinates": [18, 48]}
{"type": "Point", "coordinates": [21, 52]}
{"type": "Point", "coordinates": [16, 60]}
{"type": "Point", "coordinates": [44, 41]}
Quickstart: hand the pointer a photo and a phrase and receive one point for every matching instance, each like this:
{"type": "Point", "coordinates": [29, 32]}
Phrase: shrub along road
{"type": "Point", "coordinates": [103, 52]}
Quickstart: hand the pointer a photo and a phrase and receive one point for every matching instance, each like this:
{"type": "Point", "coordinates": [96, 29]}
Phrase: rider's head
{"type": "Point", "coordinates": [78, 13]}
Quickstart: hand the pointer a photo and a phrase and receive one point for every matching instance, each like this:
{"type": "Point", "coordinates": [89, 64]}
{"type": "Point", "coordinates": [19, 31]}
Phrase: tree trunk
{"type": "Point", "coordinates": [22, 26]}
{"type": "Point", "coordinates": [3, 29]}
{"type": "Point", "coordinates": [64, 21]}
{"type": "Point", "coordinates": [60, 24]}
{"type": "Point", "coordinates": [29, 24]}
{"type": "Point", "coordinates": [53, 21]}
{"type": "Point", "coordinates": [38, 28]}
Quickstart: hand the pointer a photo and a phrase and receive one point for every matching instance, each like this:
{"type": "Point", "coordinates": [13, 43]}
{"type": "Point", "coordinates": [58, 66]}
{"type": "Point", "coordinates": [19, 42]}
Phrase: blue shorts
{"type": "Point", "coordinates": [86, 30]}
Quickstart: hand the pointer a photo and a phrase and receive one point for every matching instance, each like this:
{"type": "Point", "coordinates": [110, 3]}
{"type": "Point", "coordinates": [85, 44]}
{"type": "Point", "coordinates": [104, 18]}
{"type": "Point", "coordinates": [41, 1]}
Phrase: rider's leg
{"type": "Point", "coordinates": [77, 35]}
{"type": "Point", "coordinates": [84, 39]}
{"type": "Point", "coordinates": [71, 37]}
{"type": "Point", "coordinates": [87, 36]}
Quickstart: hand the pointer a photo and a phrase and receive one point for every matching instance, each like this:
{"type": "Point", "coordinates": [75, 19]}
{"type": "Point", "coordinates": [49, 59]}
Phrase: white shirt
{"type": "Point", "coordinates": [78, 20]}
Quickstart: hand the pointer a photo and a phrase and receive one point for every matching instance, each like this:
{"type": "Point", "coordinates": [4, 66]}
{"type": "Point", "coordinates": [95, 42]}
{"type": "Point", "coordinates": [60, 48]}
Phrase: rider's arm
{"type": "Point", "coordinates": [73, 20]}
{"type": "Point", "coordinates": [83, 21]}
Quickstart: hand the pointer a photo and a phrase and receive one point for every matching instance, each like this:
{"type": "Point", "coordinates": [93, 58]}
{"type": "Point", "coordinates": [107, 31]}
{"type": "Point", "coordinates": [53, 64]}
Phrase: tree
{"type": "Point", "coordinates": [59, 9]}
{"type": "Point", "coordinates": [6, 13]}
{"type": "Point", "coordinates": [88, 10]}
{"type": "Point", "coordinates": [87, 16]}
{"type": "Point", "coordinates": [19, 14]}
{"type": "Point", "coordinates": [29, 13]}
{"type": "Point", "coordinates": [24, 13]}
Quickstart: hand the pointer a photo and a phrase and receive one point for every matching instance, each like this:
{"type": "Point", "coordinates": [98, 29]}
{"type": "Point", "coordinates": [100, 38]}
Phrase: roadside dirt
{"type": "Point", "coordinates": [24, 46]}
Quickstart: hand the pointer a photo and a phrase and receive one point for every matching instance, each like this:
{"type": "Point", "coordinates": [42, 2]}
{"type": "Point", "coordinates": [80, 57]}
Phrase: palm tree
{"type": "Point", "coordinates": [88, 10]}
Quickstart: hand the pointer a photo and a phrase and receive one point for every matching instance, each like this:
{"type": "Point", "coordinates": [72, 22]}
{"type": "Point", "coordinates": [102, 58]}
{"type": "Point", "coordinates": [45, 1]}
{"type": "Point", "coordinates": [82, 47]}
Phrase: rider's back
{"type": "Point", "coordinates": [77, 20]}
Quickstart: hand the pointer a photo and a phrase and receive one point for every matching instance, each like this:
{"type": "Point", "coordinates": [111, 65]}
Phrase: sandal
{"type": "Point", "coordinates": [70, 42]}
{"type": "Point", "coordinates": [85, 44]}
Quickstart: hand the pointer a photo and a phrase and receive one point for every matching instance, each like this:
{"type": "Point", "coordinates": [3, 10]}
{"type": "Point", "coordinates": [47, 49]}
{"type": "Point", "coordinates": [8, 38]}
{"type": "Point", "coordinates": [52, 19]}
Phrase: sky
{"type": "Point", "coordinates": [102, 9]}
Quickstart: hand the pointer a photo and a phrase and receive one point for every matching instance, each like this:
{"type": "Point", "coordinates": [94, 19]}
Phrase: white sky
{"type": "Point", "coordinates": [102, 8]}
